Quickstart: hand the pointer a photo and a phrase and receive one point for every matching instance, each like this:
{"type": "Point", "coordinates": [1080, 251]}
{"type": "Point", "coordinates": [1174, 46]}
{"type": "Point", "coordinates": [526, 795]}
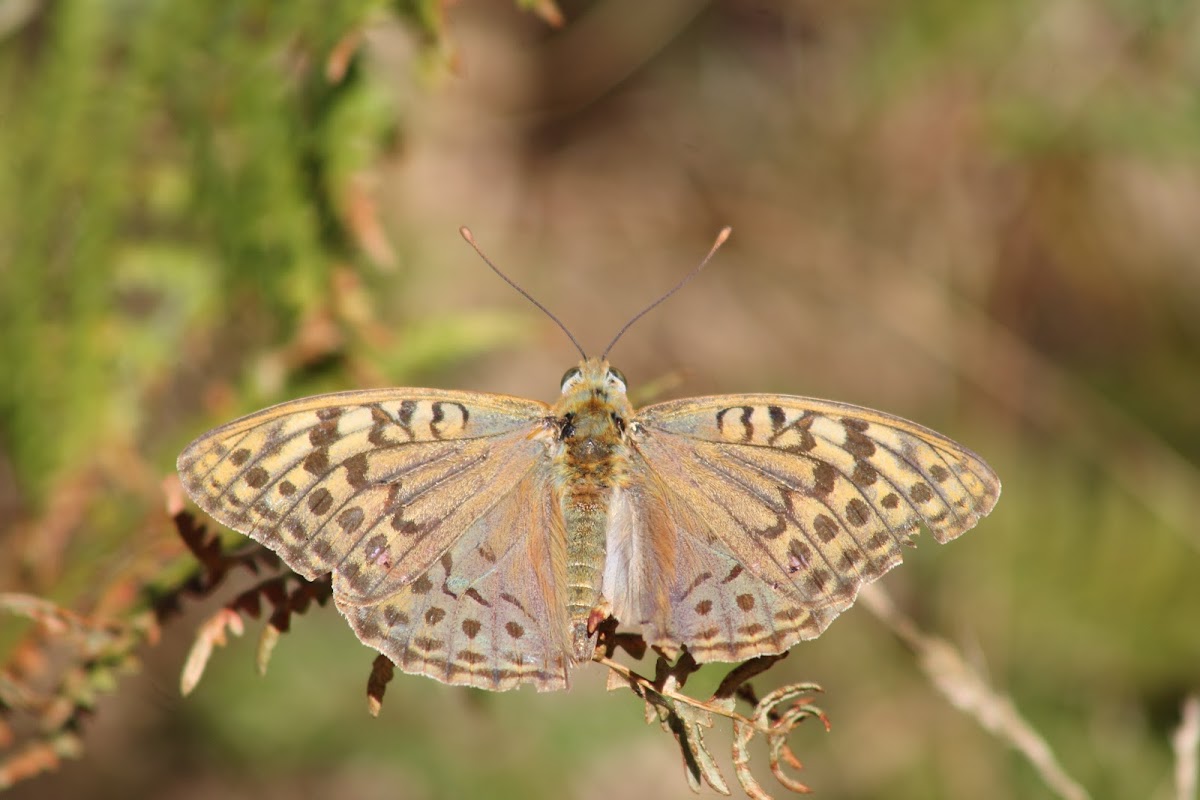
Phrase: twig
{"type": "Point", "coordinates": [634, 679]}
{"type": "Point", "coordinates": [970, 692]}
{"type": "Point", "coordinates": [687, 719]}
{"type": "Point", "coordinates": [1186, 744]}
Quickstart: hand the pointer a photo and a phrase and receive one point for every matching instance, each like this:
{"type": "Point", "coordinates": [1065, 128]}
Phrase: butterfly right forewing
{"type": "Point", "coordinates": [811, 498]}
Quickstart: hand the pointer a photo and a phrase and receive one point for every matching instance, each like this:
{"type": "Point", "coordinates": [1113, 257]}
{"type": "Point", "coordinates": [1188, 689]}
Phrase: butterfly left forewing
{"type": "Point", "coordinates": [812, 498]}
{"type": "Point", "coordinates": [374, 485]}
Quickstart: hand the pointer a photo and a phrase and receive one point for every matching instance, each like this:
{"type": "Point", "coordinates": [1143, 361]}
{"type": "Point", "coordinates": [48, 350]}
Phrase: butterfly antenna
{"type": "Point", "coordinates": [721, 237]}
{"type": "Point", "coordinates": [466, 234]}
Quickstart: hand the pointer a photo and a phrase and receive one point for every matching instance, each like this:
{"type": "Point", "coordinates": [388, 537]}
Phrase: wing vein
{"type": "Point", "coordinates": [840, 516]}
{"type": "Point", "coordinates": [900, 456]}
{"type": "Point", "coordinates": [802, 528]}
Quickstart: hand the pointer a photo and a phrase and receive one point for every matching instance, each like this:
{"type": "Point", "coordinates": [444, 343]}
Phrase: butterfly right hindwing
{"type": "Point", "coordinates": [812, 499]}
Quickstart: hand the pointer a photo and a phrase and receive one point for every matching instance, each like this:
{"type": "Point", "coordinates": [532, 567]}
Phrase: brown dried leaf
{"type": "Point", "coordinates": [382, 672]}
{"type": "Point", "coordinates": [51, 681]}
{"type": "Point", "coordinates": [775, 716]}
{"type": "Point", "coordinates": [211, 633]}
{"type": "Point", "coordinates": [266, 646]}
{"type": "Point", "coordinates": [341, 55]}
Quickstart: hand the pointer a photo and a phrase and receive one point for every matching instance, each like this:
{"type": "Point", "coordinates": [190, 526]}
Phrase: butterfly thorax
{"type": "Point", "coordinates": [591, 460]}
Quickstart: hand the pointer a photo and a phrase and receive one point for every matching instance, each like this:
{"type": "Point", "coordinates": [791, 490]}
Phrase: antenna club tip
{"type": "Point", "coordinates": [465, 232]}
{"type": "Point", "coordinates": [724, 234]}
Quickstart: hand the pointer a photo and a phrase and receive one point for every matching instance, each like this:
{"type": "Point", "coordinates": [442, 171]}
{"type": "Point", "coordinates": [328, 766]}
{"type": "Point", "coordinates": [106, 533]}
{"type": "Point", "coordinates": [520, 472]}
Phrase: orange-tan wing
{"type": "Point", "coordinates": [433, 510]}
{"type": "Point", "coordinates": [491, 611]}
{"type": "Point", "coordinates": [751, 521]}
{"type": "Point", "coordinates": [374, 485]}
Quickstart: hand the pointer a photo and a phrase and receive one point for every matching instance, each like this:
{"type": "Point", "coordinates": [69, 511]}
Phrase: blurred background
{"type": "Point", "coordinates": [981, 216]}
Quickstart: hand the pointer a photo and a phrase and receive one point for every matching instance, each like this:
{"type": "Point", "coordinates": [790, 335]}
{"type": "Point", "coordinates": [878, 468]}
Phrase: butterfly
{"type": "Point", "coordinates": [479, 539]}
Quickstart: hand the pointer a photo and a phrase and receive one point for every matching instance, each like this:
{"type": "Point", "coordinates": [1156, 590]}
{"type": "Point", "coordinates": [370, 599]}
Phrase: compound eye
{"type": "Point", "coordinates": [571, 378]}
{"type": "Point", "coordinates": [617, 378]}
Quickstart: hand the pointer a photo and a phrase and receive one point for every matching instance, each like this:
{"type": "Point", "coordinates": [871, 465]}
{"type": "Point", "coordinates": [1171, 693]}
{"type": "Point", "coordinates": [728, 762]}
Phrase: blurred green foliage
{"type": "Point", "coordinates": [178, 212]}
{"type": "Point", "coordinates": [161, 162]}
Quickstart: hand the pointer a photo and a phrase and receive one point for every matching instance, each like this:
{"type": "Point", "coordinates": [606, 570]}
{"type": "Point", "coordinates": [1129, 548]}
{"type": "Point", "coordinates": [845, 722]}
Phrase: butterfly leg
{"type": "Point", "coordinates": [600, 612]}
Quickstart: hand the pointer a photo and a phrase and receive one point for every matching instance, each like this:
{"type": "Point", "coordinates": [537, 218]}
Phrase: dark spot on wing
{"type": "Point", "coordinates": [317, 462]}
{"type": "Point", "coordinates": [356, 470]}
{"type": "Point", "coordinates": [320, 501]}
{"type": "Point", "coordinates": [324, 434]}
{"type": "Point", "coordinates": [857, 512]}
{"type": "Point", "coordinates": [825, 527]}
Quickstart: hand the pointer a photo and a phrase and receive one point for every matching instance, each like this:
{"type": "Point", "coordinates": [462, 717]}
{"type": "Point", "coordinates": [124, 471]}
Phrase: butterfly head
{"type": "Point", "coordinates": [593, 402]}
{"type": "Point", "coordinates": [593, 377]}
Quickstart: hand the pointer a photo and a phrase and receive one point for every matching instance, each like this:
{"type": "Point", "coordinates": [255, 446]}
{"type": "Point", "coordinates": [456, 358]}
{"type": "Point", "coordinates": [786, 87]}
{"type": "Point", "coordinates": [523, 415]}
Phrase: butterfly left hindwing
{"type": "Point", "coordinates": [491, 611]}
